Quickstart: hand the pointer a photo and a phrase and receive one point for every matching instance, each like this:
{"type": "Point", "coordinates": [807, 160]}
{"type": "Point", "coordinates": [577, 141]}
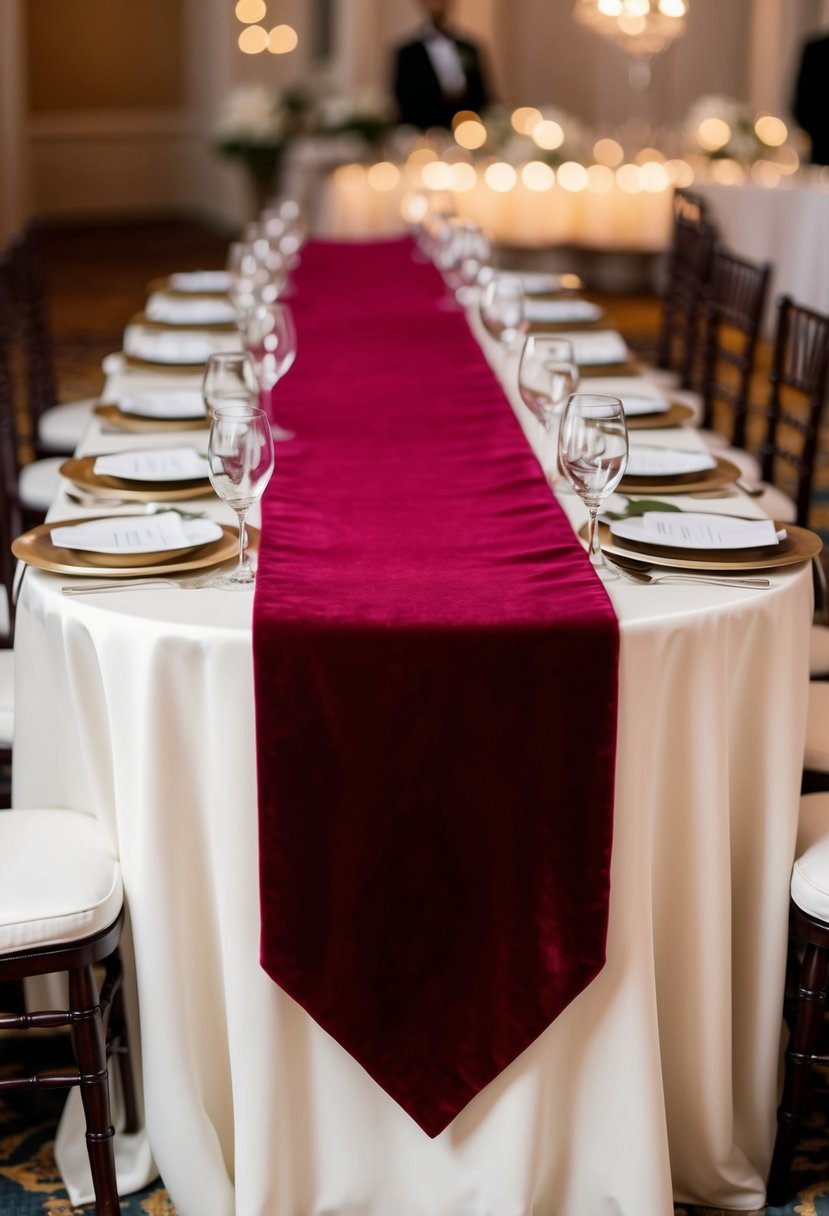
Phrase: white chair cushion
{"type": "Point", "coordinates": [717, 445]}
{"type": "Point", "coordinates": [810, 876]}
{"type": "Point", "coordinates": [6, 698]}
{"type": "Point", "coordinates": [62, 428]}
{"type": "Point", "coordinates": [39, 483]}
{"type": "Point", "coordinates": [819, 651]}
{"type": "Point", "coordinates": [817, 728]}
{"type": "Point", "coordinates": [58, 877]}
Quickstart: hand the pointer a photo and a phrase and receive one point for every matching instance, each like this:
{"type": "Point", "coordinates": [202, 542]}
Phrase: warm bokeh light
{"type": "Point", "coordinates": [728, 172]}
{"type": "Point", "coordinates": [548, 134]}
{"type": "Point", "coordinates": [610, 8]}
{"type": "Point", "coordinates": [629, 178]}
{"type": "Point", "coordinates": [654, 176]}
{"type": "Point", "coordinates": [282, 40]}
{"type": "Point", "coordinates": [470, 134]}
{"type": "Point", "coordinates": [462, 177]}
{"type": "Point", "coordinates": [572, 176]}
{"type": "Point", "coordinates": [788, 161]}
{"type": "Point", "coordinates": [713, 133]}
{"type": "Point", "coordinates": [680, 172]}
{"type": "Point", "coordinates": [253, 40]}
{"type": "Point", "coordinates": [764, 173]}
{"type": "Point", "coordinates": [422, 156]}
{"type": "Point", "coordinates": [383, 176]}
{"type": "Point", "coordinates": [608, 152]}
{"type": "Point", "coordinates": [636, 8]}
{"type": "Point", "coordinates": [633, 26]}
{"type": "Point", "coordinates": [500, 177]}
{"type": "Point", "coordinates": [464, 116]}
{"type": "Point", "coordinates": [537, 176]}
{"type": "Point", "coordinates": [524, 119]}
{"type": "Point", "coordinates": [413, 207]}
{"type": "Point", "coordinates": [600, 179]}
{"type": "Point", "coordinates": [350, 177]}
{"type": "Point", "coordinates": [772, 131]}
{"type": "Point", "coordinates": [436, 176]}
{"type": "Point", "coordinates": [672, 8]}
{"type": "Point", "coordinates": [250, 11]}
{"type": "Point", "coordinates": [646, 154]}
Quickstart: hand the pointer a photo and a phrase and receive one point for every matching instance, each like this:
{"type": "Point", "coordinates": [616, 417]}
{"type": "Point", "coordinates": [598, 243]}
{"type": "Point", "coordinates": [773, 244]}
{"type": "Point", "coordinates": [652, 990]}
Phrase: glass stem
{"type": "Point", "coordinates": [243, 538]}
{"type": "Point", "coordinates": [593, 547]}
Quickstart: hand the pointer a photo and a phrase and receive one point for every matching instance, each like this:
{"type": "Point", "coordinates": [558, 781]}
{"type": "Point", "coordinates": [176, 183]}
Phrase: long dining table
{"type": "Point", "coordinates": [657, 1083]}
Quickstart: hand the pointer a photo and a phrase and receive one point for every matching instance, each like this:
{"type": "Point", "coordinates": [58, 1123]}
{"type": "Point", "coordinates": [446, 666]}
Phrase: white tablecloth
{"type": "Point", "coordinates": [787, 226]}
{"type": "Point", "coordinates": [659, 1080]}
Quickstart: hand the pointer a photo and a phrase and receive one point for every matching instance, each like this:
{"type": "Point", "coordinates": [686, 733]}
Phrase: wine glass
{"type": "Point", "coordinates": [229, 379]}
{"type": "Point", "coordinates": [547, 374]}
{"type": "Point", "coordinates": [502, 307]}
{"type": "Point", "coordinates": [462, 250]}
{"type": "Point", "coordinates": [270, 339]}
{"type": "Point", "coordinates": [593, 454]}
{"type": "Point", "coordinates": [240, 464]}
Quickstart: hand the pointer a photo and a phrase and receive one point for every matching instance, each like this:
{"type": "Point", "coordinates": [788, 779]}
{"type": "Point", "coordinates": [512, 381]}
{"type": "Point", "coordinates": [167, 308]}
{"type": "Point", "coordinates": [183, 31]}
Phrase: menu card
{"type": "Point", "coordinates": [172, 310]}
{"type": "Point", "coordinates": [155, 464]}
{"type": "Point", "coordinates": [137, 534]}
{"type": "Point", "coordinates": [698, 530]}
{"type": "Point", "coordinates": [185, 403]}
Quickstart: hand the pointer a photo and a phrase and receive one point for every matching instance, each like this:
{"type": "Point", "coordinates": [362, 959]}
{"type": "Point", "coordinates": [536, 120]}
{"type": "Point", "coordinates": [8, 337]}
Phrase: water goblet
{"type": "Point", "coordinates": [593, 454]}
{"type": "Point", "coordinates": [502, 308]}
{"type": "Point", "coordinates": [547, 374]}
{"type": "Point", "coordinates": [270, 339]}
{"type": "Point", "coordinates": [240, 464]}
{"type": "Point", "coordinates": [229, 379]}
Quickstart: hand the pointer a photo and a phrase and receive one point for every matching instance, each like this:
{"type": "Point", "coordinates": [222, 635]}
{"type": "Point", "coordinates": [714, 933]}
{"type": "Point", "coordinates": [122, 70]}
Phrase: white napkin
{"type": "Point", "coordinates": [187, 403]}
{"type": "Point", "coordinates": [199, 281]}
{"type": "Point", "coordinates": [172, 310]}
{"type": "Point", "coordinates": [153, 464]}
{"type": "Point", "coordinates": [137, 534]}
{"type": "Point", "coordinates": [186, 347]}
{"type": "Point", "coordinates": [561, 310]}
{"type": "Point", "coordinates": [690, 530]}
{"type": "Point", "coordinates": [654, 462]}
{"type": "Point", "coordinates": [599, 346]}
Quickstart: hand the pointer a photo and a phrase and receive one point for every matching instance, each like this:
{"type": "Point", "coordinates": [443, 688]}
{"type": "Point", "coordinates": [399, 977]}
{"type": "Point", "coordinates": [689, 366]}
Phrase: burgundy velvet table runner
{"type": "Point", "coordinates": [435, 672]}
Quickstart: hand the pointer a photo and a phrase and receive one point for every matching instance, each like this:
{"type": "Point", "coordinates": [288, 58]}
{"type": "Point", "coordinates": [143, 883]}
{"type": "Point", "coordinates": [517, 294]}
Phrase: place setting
{"type": "Point", "coordinates": [164, 410]}
{"type": "Point", "coordinates": [601, 352]}
{"type": "Point", "coordinates": [174, 474]}
{"type": "Point", "coordinates": [193, 283]}
{"type": "Point", "coordinates": [646, 407]}
{"type": "Point", "coordinates": [664, 470]}
{"type": "Point", "coordinates": [186, 350]}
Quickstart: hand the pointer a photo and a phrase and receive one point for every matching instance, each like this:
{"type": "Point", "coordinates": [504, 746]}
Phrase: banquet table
{"type": "Point", "coordinates": [658, 1082]}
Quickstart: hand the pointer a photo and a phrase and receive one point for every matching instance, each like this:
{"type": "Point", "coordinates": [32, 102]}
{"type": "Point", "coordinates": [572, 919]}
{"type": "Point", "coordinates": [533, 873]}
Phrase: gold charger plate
{"type": "Point", "coordinates": [630, 367]}
{"type": "Point", "coordinates": [80, 471]}
{"type": "Point", "coordinates": [150, 365]}
{"type": "Point", "coordinates": [552, 327]}
{"type": "Point", "coordinates": [723, 474]}
{"type": "Point", "coordinates": [35, 548]}
{"type": "Point", "coordinates": [674, 416]}
{"type": "Point", "coordinates": [110, 413]}
{"type": "Point", "coordinates": [141, 318]}
{"type": "Point", "coordinates": [800, 545]}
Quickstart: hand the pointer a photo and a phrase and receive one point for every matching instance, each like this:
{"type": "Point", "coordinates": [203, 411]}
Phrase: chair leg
{"type": "Point", "coordinates": [121, 1048]}
{"type": "Point", "coordinates": [810, 1002]}
{"type": "Point", "coordinates": [90, 1054]}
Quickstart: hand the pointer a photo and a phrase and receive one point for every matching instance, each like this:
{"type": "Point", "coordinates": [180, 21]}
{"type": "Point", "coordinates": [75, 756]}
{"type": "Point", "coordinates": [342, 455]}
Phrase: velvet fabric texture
{"type": "Point", "coordinates": [436, 675]}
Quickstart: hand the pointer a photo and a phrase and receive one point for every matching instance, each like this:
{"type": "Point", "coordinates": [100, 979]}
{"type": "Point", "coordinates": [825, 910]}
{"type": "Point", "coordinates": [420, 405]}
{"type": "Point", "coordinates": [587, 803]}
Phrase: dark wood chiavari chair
{"type": "Point", "coordinates": [687, 274]}
{"type": "Point", "coordinates": [733, 316]}
{"type": "Point", "coordinates": [10, 526]}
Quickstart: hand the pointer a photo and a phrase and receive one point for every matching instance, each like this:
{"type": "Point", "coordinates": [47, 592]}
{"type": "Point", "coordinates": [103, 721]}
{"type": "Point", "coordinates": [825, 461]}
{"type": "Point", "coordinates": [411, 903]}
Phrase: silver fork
{"type": "Point", "coordinates": [645, 575]}
{"type": "Point", "coordinates": [140, 584]}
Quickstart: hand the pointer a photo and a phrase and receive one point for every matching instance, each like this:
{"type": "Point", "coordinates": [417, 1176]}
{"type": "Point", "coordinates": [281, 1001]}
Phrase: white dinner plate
{"type": "Point", "coordinates": [644, 461]}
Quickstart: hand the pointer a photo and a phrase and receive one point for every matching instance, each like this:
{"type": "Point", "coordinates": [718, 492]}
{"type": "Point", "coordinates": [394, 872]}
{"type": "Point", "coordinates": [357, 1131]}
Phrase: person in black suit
{"type": "Point", "coordinates": [437, 73]}
{"type": "Point", "coordinates": [811, 99]}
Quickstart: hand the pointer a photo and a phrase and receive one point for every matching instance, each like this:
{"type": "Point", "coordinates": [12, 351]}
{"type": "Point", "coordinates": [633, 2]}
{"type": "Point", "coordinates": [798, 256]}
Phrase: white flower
{"type": "Point", "coordinates": [252, 114]}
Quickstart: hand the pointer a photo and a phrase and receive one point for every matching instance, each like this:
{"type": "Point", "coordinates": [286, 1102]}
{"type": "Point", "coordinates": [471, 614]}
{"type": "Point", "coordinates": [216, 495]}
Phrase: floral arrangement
{"type": "Point", "coordinates": [255, 125]}
{"type": "Point", "coordinates": [364, 113]}
{"type": "Point", "coordinates": [721, 128]}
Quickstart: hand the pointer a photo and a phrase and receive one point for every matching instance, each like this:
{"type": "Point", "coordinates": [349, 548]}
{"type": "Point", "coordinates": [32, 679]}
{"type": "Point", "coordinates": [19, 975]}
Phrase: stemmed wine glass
{"type": "Point", "coordinates": [229, 379]}
{"type": "Point", "coordinates": [240, 464]}
{"type": "Point", "coordinates": [502, 307]}
{"type": "Point", "coordinates": [593, 454]}
{"type": "Point", "coordinates": [547, 375]}
{"type": "Point", "coordinates": [270, 338]}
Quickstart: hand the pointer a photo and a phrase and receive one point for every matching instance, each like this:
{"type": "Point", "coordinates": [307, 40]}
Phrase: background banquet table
{"type": "Point", "coordinates": [659, 1079]}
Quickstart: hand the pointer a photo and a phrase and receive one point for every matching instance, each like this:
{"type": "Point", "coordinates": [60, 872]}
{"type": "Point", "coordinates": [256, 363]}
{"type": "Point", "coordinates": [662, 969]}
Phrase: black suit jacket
{"type": "Point", "coordinates": [811, 100]}
{"type": "Point", "coordinates": [420, 99]}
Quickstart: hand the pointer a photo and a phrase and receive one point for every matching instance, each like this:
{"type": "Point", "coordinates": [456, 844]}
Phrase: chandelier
{"type": "Point", "coordinates": [642, 28]}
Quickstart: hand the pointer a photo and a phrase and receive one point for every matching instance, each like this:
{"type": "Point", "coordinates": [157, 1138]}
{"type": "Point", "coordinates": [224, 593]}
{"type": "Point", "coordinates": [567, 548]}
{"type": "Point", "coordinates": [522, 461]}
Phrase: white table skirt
{"type": "Point", "coordinates": [659, 1081]}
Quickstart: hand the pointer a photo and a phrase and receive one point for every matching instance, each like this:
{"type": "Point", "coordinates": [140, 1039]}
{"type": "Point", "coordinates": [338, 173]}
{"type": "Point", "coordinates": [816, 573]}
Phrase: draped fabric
{"type": "Point", "coordinates": [435, 671]}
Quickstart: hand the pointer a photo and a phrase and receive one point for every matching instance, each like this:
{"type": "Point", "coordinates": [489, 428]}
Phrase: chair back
{"type": "Point", "coordinates": [10, 516]}
{"type": "Point", "coordinates": [684, 295]}
{"type": "Point", "coordinates": [797, 395]}
{"type": "Point", "coordinates": [733, 314]}
{"type": "Point", "coordinates": [32, 306]}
